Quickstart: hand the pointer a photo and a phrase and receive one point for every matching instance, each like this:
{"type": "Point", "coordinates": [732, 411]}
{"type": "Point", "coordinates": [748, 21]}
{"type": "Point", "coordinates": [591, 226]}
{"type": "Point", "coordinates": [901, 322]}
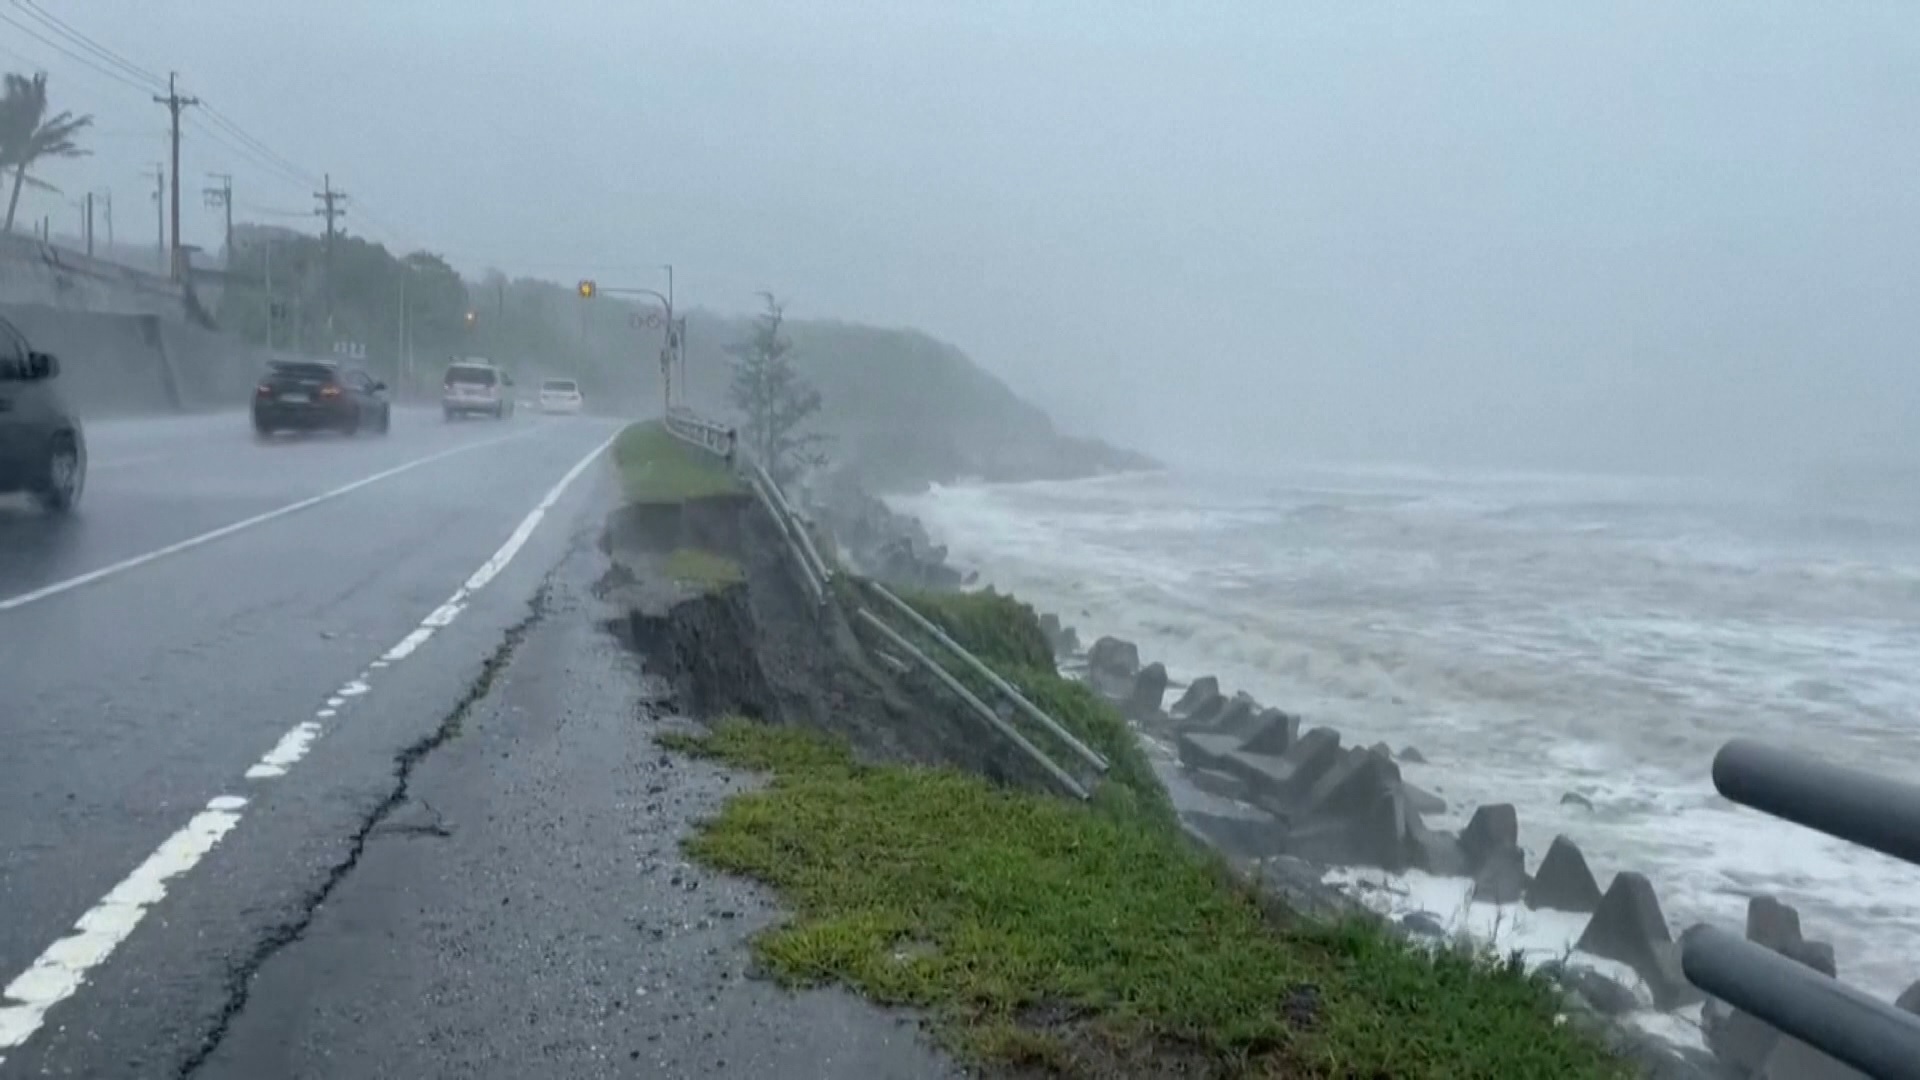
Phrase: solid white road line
{"type": "Point", "coordinates": [60, 971]}
{"type": "Point", "coordinates": [124, 565]}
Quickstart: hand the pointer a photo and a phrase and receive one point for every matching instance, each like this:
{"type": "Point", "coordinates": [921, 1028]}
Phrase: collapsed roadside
{"type": "Point", "coordinates": [932, 862]}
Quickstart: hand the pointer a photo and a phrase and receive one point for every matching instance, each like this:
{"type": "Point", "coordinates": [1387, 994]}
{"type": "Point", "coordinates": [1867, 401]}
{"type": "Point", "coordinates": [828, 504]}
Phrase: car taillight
{"type": "Point", "coordinates": [329, 391]}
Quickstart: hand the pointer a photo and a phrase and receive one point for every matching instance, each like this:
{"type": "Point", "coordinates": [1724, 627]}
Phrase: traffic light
{"type": "Point", "coordinates": [471, 317]}
{"type": "Point", "coordinates": [588, 289]}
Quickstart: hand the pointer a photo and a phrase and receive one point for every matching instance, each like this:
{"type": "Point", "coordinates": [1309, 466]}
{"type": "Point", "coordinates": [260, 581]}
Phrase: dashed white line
{"type": "Point", "coordinates": [121, 567]}
{"type": "Point", "coordinates": [59, 972]}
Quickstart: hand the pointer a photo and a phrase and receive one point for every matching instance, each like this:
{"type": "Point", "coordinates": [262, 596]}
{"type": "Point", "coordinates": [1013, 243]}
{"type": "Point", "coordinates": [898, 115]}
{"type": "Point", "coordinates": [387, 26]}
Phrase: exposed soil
{"type": "Point", "coordinates": [764, 649]}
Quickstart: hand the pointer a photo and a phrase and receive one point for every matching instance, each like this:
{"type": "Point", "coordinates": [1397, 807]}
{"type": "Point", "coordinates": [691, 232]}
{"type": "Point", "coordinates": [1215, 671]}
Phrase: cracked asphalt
{"type": "Point", "coordinates": [473, 872]}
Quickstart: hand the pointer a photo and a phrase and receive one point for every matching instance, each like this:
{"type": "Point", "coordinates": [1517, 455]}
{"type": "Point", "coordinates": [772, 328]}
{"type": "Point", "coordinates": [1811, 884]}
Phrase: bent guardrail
{"type": "Point", "coordinates": [1873, 811]}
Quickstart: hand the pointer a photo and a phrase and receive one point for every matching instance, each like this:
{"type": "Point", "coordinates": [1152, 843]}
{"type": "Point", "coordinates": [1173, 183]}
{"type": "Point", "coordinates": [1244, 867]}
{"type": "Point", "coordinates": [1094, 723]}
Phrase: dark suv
{"type": "Point", "coordinates": [315, 395]}
{"type": "Point", "coordinates": [43, 450]}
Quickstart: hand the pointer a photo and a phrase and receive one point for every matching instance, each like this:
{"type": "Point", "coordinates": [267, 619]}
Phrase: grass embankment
{"type": "Point", "coordinates": [655, 467]}
{"type": "Point", "coordinates": [1077, 941]}
{"type": "Point", "coordinates": [700, 567]}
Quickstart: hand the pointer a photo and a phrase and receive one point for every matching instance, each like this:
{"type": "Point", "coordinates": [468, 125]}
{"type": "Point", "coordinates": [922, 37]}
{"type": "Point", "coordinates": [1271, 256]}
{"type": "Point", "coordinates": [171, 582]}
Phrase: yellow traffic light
{"type": "Point", "coordinates": [587, 289]}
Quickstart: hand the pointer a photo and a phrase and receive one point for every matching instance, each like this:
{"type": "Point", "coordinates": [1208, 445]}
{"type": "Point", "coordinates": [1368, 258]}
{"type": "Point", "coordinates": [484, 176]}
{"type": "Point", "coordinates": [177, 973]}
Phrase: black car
{"type": "Point", "coordinates": [314, 395]}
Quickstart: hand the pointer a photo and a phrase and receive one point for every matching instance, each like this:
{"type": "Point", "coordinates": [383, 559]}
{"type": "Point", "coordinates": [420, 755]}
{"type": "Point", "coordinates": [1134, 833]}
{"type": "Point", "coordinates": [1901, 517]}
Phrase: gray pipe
{"type": "Point", "coordinates": [1869, 810]}
{"type": "Point", "coordinates": [1836, 1019]}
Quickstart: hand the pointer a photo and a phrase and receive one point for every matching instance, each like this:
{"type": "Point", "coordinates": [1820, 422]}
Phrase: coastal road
{"type": "Point", "coordinates": [211, 678]}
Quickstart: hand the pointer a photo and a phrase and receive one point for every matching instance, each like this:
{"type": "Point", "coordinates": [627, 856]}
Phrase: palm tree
{"type": "Point", "coordinates": [28, 134]}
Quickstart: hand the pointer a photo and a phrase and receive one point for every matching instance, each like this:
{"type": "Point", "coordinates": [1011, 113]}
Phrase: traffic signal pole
{"type": "Point", "coordinates": [589, 289]}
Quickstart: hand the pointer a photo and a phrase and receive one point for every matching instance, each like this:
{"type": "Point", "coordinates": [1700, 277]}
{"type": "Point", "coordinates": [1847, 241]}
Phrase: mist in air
{"type": "Point", "coordinates": [1639, 237]}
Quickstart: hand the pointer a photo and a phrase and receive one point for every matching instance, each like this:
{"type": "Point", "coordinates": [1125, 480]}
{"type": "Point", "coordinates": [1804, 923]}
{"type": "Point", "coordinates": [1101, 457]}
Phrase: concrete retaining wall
{"type": "Point", "coordinates": [116, 365]}
{"type": "Point", "coordinates": [35, 273]}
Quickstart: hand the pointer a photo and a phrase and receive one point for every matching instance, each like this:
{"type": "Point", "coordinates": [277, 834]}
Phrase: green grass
{"type": "Point", "coordinates": [999, 629]}
{"type": "Point", "coordinates": [1076, 943]}
{"type": "Point", "coordinates": [655, 467]}
{"type": "Point", "coordinates": [697, 566]}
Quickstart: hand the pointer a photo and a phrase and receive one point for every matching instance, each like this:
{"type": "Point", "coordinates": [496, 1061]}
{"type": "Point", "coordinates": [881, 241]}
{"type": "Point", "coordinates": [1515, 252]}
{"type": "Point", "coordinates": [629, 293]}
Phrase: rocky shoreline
{"type": "Point", "coordinates": [1305, 806]}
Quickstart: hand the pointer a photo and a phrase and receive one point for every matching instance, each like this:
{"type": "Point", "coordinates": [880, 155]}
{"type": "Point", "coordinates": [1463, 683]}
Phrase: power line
{"type": "Point", "coordinates": [228, 125]}
{"type": "Point", "coordinates": [243, 153]}
{"type": "Point", "coordinates": [78, 58]}
{"type": "Point", "coordinates": [53, 23]}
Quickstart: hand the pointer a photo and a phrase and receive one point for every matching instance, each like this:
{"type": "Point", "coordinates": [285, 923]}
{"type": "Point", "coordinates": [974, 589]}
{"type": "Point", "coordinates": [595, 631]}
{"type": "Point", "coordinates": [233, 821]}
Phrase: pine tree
{"type": "Point", "coordinates": [775, 398]}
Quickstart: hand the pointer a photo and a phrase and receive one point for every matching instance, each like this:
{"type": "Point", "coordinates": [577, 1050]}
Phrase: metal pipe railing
{"type": "Point", "coordinates": [1872, 811]}
{"type": "Point", "coordinates": [985, 711]}
{"type": "Point", "coordinates": [1086, 753]}
{"type": "Point", "coordinates": [820, 566]}
{"type": "Point", "coordinates": [1838, 1020]}
{"type": "Point", "coordinates": [688, 426]}
{"type": "Point", "coordinates": [814, 584]}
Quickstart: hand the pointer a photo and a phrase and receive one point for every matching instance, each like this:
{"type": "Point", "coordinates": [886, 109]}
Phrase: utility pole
{"type": "Point", "coordinates": [174, 103]}
{"type": "Point", "coordinates": [89, 224]}
{"type": "Point", "coordinates": [331, 207]}
{"type": "Point", "coordinates": [403, 356]}
{"type": "Point", "coordinates": [108, 200]}
{"type": "Point", "coordinates": [222, 196]}
{"type": "Point", "coordinates": [160, 209]}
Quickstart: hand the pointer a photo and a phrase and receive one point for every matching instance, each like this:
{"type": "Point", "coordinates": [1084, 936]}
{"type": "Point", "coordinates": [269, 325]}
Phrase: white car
{"type": "Point", "coordinates": [474, 387]}
{"type": "Point", "coordinates": [561, 396]}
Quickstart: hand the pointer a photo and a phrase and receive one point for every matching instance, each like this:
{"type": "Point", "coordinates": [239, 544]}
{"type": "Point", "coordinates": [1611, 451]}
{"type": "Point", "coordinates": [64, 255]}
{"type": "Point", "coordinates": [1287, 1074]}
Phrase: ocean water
{"type": "Point", "coordinates": [1534, 636]}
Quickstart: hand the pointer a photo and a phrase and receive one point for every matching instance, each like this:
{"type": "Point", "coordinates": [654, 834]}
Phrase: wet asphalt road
{"type": "Point", "coordinates": [128, 702]}
{"type": "Point", "coordinates": [473, 871]}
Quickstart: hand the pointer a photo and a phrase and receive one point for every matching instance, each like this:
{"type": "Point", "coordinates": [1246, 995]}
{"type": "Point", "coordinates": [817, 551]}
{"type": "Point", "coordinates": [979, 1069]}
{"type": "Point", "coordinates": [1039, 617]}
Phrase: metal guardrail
{"type": "Point", "coordinates": [1873, 811]}
{"type": "Point", "coordinates": [985, 711]}
{"type": "Point", "coordinates": [1053, 727]}
{"type": "Point", "coordinates": [688, 426]}
{"type": "Point", "coordinates": [817, 565]}
{"type": "Point", "coordinates": [721, 441]}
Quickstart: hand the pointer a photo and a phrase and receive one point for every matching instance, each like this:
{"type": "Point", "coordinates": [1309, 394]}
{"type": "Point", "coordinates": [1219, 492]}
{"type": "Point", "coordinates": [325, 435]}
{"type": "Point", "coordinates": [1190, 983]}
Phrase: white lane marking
{"type": "Point", "coordinates": [290, 749]}
{"type": "Point", "coordinates": [224, 531]}
{"type": "Point", "coordinates": [59, 971]}
{"type": "Point", "coordinates": [300, 738]}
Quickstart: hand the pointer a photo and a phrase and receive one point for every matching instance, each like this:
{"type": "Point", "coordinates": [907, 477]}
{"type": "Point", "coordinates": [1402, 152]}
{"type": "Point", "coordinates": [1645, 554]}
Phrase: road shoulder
{"type": "Point", "coordinates": [528, 910]}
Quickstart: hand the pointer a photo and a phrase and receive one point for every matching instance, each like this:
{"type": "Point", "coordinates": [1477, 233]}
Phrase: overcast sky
{"type": "Point", "coordinates": [1594, 235]}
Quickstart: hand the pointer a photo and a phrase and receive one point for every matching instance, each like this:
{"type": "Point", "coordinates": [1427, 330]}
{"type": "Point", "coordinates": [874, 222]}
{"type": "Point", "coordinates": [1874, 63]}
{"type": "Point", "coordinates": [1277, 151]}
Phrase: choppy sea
{"type": "Point", "coordinates": [1534, 636]}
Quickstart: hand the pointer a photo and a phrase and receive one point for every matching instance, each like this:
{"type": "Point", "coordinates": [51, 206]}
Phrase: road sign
{"type": "Point", "coordinates": [650, 320]}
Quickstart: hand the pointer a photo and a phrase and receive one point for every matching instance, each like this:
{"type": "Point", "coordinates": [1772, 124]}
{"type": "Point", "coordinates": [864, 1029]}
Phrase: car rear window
{"type": "Point", "coordinates": [464, 373]}
{"type": "Point", "coordinates": [564, 386]}
{"type": "Point", "coordinates": [305, 372]}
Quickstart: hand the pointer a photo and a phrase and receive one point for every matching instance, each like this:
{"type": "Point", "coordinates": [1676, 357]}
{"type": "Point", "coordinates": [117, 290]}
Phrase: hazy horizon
{"type": "Point", "coordinates": [1633, 237]}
